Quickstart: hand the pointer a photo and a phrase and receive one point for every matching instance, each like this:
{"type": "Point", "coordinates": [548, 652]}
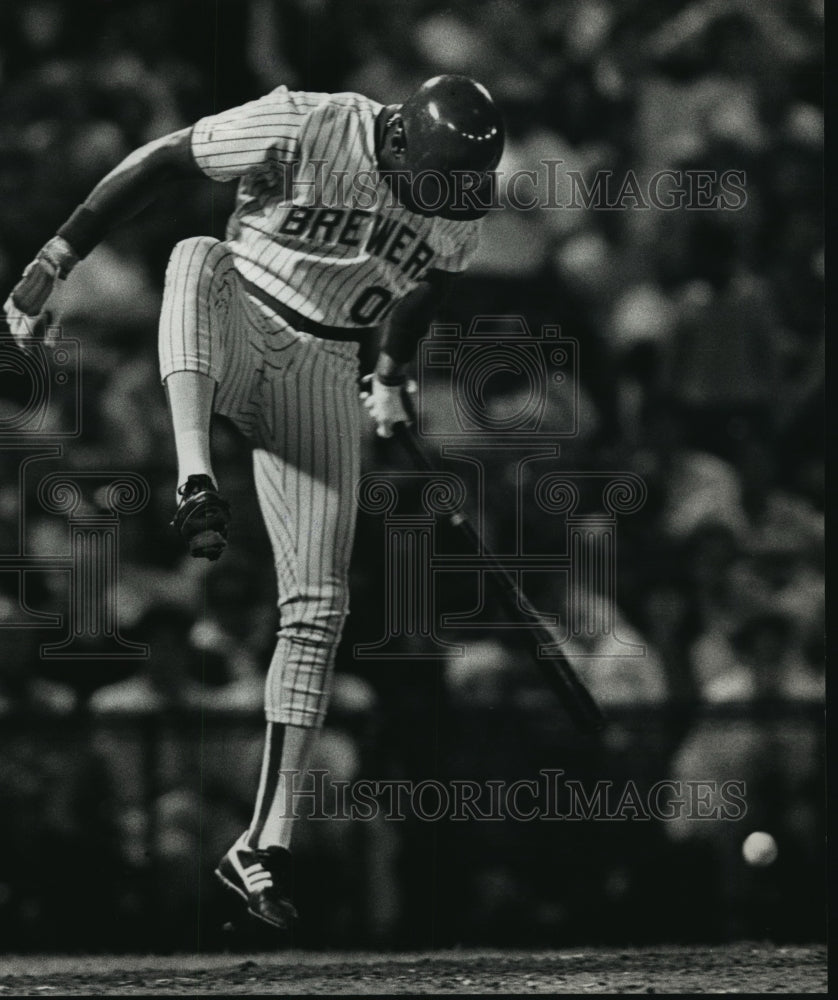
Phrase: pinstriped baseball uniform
{"type": "Point", "coordinates": [318, 232]}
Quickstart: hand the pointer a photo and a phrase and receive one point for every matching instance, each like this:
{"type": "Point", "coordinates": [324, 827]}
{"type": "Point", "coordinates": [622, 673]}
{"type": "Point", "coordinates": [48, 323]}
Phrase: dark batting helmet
{"type": "Point", "coordinates": [451, 123]}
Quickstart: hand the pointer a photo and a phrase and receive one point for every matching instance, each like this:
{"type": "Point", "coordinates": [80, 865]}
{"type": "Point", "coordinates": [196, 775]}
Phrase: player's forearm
{"type": "Point", "coordinates": [408, 323]}
{"type": "Point", "coordinates": [119, 196]}
{"type": "Point", "coordinates": [128, 188]}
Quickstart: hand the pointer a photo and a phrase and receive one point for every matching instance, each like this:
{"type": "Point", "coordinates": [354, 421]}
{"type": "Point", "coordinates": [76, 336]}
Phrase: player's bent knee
{"type": "Point", "coordinates": [197, 245]}
{"type": "Point", "coordinates": [199, 253]}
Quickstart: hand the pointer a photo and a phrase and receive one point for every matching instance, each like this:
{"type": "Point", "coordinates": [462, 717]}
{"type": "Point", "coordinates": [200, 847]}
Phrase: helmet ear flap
{"type": "Point", "coordinates": [396, 136]}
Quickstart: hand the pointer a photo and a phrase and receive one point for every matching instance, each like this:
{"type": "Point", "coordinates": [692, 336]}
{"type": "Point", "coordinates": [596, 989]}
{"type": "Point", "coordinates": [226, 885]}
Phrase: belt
{"type": "Point", "coordinates": [303, 323]}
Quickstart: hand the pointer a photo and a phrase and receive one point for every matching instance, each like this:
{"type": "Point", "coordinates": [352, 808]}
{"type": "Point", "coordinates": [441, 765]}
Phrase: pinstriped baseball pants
{"type": "Point", "coordinates": [294, 396]}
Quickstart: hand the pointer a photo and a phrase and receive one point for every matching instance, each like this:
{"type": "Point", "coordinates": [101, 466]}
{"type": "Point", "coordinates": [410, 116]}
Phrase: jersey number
{"type": "Point", "coordinates": [371, 306]}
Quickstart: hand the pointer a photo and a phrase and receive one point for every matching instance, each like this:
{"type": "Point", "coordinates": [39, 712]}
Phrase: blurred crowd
{"type": "Point", "coordinates": [700, 371]}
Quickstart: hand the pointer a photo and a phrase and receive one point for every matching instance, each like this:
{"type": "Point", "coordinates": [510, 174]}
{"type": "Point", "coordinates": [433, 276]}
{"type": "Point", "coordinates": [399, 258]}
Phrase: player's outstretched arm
{"type": "Point", "coordinates": [407, 324]}
{"type": "Point", "coordinates": [117, 197]}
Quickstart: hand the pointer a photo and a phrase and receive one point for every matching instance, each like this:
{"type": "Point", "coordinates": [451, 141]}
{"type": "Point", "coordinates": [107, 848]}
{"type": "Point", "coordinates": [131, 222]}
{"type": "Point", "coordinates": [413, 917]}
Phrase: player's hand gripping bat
{"type": "Point", "coordinates": [554, 666]}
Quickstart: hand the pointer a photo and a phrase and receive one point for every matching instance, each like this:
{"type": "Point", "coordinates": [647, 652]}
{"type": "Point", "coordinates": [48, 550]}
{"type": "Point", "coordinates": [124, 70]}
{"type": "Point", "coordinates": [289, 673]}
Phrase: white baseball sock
{"type": "Point", "coordinates": [190, 404]}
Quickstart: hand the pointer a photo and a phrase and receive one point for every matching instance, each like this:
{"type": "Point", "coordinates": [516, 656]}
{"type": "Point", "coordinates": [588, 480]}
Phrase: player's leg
{"type": "Point", "coordinates": [306, 489]}
{"type": "Point", "coordinates": [307, 494]}
{"type": "Point", "coordinates": [194, 355]}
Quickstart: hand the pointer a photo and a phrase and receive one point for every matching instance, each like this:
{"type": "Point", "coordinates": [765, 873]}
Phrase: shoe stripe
{"type": "Point", "coordinates": [254, 876]}
{"type": "Point", "coordinates": [233, 855]}
{"type": "Point", "coordinates": [259, 881]}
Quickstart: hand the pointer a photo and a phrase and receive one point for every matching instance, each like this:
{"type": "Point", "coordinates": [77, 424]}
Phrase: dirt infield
{"type": "Point", "coordinates": [753, 968]}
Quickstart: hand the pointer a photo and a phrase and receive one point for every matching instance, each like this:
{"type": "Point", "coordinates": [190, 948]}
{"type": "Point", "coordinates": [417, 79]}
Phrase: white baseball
{"type": "Point", "coordinates": [760, 849]}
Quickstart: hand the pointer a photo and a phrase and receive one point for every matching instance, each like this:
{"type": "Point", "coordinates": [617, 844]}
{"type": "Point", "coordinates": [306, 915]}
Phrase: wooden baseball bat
{"type": "Point", "coordinates": [555, 667]}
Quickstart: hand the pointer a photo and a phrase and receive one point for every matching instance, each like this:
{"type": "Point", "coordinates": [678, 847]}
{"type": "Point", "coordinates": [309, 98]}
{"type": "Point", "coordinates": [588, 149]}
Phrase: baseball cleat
{"type": "Point", "coordinates": [202, 518]}
{"type": "Point", "coordinates": [263, 877]}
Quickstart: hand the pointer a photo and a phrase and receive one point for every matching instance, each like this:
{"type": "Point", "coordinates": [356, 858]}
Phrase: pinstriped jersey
{"type": "Point", "coordinates": [315, 225]}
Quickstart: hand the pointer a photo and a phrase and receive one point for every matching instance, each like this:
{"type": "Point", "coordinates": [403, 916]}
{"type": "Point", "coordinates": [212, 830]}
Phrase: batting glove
{"type": "Point", "coordinates": [385, 405]}
{"type": "Point", "coordinates": [25, 306]}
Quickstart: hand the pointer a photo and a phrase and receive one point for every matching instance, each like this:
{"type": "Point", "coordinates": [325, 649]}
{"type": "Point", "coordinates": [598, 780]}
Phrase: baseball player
{"type": "Point", "coordinates": [350, 217]}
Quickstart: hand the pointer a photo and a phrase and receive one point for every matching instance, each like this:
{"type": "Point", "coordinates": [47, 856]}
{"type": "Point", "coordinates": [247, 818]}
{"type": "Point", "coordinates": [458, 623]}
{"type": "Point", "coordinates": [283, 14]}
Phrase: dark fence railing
{"type": "Point", "coordinates": [479, 826]}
